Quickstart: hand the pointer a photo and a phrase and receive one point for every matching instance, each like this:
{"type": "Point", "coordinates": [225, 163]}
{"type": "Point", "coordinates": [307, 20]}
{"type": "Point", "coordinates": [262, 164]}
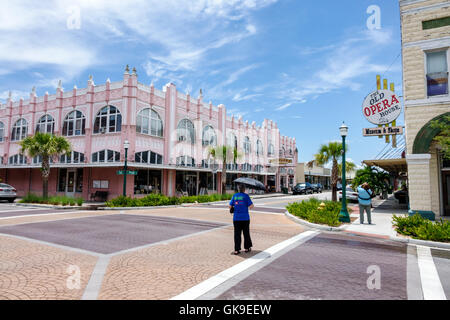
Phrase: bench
{"type": "Point", "coordinates": [103, 195]}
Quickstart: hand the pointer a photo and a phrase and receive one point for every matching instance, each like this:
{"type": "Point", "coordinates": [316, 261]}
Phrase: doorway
{"type": "Point", "coordinates": [70, 181]}
{"type": "Point", "coordinates": [186, 183]}
{"type": "Point", "coordinates": [71, 176]}
{"type": "Point", "coordinates": [446, 191]}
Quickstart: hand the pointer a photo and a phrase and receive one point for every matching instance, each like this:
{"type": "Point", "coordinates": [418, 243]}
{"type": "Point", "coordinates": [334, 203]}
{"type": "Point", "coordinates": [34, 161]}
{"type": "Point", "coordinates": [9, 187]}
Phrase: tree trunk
{"type": "Point", "coordinates": [334, 180]}
{"type": "Point", "coordinates": [45, 174]}
{"type": "Point", "coordinates": [224, 176]}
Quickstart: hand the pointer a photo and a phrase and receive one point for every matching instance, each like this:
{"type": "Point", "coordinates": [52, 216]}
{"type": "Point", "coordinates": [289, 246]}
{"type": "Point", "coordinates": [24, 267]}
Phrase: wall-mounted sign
{"type": "Point", "coordinates": [280, 161]}
{"type": "Point", "coordinates": [382, 107]}
{"type": "Point", "coordinates": [100, 184]}
{"type": "Point", "coordinates": [382, 131]}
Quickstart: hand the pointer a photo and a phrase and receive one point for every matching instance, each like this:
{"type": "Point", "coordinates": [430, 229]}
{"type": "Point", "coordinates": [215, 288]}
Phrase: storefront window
{"type": "Point", "coordinates": [207, 183]}
{"type": "Point", "coordinates": [62, 180]}
{"type": "Point", "coordinates": [186, 183]}
{"type": "Point", "coordinates": [147, 181]}
{"type": "Point", "coordinates": [79, 180]}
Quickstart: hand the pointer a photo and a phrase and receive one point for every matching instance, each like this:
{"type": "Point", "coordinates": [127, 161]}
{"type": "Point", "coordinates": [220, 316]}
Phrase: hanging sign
{"type": "Point", "coordinates": [382, 107]}
{"type": "Point", "coordinates": [382, 131]}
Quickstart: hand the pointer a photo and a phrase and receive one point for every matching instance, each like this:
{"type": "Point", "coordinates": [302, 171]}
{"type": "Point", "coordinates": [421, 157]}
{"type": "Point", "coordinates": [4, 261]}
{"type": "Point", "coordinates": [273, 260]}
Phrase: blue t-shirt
{"type": "Point", "coordinates": [241, 202]}
{"type": "Point", "coordinates": [365, 195]}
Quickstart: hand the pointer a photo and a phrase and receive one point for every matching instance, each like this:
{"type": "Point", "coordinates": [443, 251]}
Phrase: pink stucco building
{"type": "Point", "coordinates": [169, 134]}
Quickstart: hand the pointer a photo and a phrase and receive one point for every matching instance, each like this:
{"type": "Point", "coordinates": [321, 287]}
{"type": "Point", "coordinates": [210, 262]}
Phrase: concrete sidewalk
{"type": "Point", "coordinates": [382, 213]}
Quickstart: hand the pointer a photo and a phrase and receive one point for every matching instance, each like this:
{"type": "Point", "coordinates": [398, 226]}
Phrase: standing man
{"type": "Point", "coordinates": [241, 219]}
{"type": "Point", "coordinates": [365, 202]}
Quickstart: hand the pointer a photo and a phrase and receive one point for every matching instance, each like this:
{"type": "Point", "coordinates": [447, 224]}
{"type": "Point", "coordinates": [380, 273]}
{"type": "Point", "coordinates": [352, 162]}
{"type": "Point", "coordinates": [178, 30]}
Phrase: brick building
{"type": "Point", "coordinates": [425, 47]}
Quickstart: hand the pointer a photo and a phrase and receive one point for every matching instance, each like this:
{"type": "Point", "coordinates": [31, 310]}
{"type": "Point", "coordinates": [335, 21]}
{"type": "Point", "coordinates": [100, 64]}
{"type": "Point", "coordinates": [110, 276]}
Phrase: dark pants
{"type": "Point", "coordinates": [242, 227]}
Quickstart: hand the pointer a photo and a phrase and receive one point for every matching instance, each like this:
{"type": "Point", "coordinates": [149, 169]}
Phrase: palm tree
{"type": "Point", "coordinates": [330, 152]}
{"type": "Point", "coordinates": [45, 146]}
{"type": "Point", "coordinates": [378, 180]}
{"type": "Point", "coordinates": [226, 154]}
{"type": "Point", "coordinates": [349, 166]}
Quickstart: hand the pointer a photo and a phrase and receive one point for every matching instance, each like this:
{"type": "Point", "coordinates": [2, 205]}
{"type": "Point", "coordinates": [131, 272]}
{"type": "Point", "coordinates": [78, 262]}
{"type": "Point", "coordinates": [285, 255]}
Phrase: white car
{"type": "Point", "coordinates": [349, 194]}
{"type": "Point", "coordinates": [7, 192]}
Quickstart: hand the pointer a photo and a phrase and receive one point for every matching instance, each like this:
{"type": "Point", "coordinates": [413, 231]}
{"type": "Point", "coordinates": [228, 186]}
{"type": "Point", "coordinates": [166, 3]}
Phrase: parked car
{"type": "Point", "coordinates": [303, 188]}
{"type": "Point", "coordinates": [7, 192]}
{"type": "Point", "coordinates": [317, 188]}
{"type": "Point", "coordinates": [349, 194]}
{"type": "Point", "coordinates": [339, 186]}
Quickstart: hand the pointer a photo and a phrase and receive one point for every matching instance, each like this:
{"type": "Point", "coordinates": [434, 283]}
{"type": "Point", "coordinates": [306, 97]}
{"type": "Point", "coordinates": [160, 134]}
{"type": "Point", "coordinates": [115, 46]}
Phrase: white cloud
{"type": "Point", "coordinates": [181, 33]}
{"type": "Point", "coordinates": [284, 106]}
{"type": "Point", "coordinates": [15, 95]}
{"type": "Point", "coordinates": [340, 66]}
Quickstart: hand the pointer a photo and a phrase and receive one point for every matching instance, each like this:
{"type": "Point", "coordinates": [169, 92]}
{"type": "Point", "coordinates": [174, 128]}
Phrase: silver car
{"type": "Point", "coordinates": [350, 194]}
{"type": "Point", "coordinates": [7, 192]}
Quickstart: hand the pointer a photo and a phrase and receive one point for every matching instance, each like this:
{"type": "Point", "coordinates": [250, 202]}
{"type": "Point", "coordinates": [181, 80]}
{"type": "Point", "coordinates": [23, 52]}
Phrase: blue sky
{"type": "Point", "coordinates": [308, 65]}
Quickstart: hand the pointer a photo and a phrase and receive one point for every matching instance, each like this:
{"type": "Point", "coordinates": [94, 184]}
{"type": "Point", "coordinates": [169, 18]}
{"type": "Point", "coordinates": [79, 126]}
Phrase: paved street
{"type": "Point", "coordinates": [185, 253]}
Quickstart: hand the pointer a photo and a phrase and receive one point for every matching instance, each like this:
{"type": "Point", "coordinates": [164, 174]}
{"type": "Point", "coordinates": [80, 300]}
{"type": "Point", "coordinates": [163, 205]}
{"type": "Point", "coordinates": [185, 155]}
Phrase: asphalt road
{"type": "Point", "coordinates": [327, 265]}
{"type": "Point", "coordinates": [340, 266]}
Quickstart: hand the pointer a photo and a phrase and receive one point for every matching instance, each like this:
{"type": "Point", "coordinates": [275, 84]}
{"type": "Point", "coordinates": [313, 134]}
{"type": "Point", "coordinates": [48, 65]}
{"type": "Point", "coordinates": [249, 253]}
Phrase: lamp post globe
{"type": "Point", "coordinates": [343, 214]}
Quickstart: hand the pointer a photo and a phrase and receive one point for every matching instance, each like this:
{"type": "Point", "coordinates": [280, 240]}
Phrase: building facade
{"type": "Point", "coordinates": [314, 174]}
{"type": "Point", "coordinates": [425, 48]}
{"type": "Point", "coordinates": [169, 134]}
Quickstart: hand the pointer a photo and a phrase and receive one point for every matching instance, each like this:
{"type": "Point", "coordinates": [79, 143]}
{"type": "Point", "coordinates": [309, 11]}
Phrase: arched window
{"type": "Point", "coordinates": [17, 159]}
{"type": "Point", "coordinates": [38, 160]}
{"type": "Point", "coordinates": [72, 157]}
{"type": "Point", "coordinates": [74, 124]}
{"type": "Point", "coordinates": [282, 152]}
{"type": "Point", "coordinates": [149, 122]}
{"type": "Point", "coordinates": [149, 157]}
{"type": "Point", "coordinates": [185, 131]}
{"type": "Point", "coordinates": [209, 164]}
{"type": "Point", "coordinates": [19, 130]}
{"type": "Point", "coordinates": [259, 168]}
{"type": "Point", "coordinates": [106, 156]}
{"type": "Point", "coordinates": [2, 131]}
{"type": "Point", "coordinates": [232, 166]}
{"type": "Point", "coordinates": [46, 124]}
{"type": "Point", "coordinates": [246, 167]}
{"type": "Point", "coordinates": [185, 161]}
{"type": "Point", "coordinates": [247, 145]}
{"type": "Point", "coordinates": [108, 120]}
{"type": "Point", "coordinates": [209, 136]}
{"type": "Point", "coordinates": [232, 140]}
{"type": "Point", "coordinates": [259, 148]}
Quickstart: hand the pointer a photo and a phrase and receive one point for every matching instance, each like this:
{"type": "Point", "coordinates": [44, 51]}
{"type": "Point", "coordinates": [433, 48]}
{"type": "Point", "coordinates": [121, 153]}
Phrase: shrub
{"type": "Point", "coordinates": [153, 200]}
{"type": "Point", "coordinates": [423, 229]}
{"type": "Point", "coordinates": [54, 200]}
{"type": "Point", "coordinates": [309, 211]}
{"type": "Point", "coordinates": [79, 201]}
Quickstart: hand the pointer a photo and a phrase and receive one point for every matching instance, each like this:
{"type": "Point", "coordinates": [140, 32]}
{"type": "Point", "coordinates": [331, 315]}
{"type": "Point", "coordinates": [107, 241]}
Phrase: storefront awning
{"type": "Point", "coordinates": [390, 165]}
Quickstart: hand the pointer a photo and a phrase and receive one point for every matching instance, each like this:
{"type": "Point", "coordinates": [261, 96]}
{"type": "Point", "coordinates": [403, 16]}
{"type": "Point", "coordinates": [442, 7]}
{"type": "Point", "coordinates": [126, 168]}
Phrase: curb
{"type": "Point", "coordinates": [314, 225]}
{"type": "Point", "coordinates": [49, 206]}
{"type": "Point", "coordinates": [183, 205]}
{"type": "Point", "coordinates": [433, 244]}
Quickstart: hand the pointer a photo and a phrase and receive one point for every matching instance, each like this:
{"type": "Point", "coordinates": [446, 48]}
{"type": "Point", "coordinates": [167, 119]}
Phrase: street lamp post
{"type": "Point", "coordinates": [343, 215]}
{"type": "Point", "coordinates": [126, 145]}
